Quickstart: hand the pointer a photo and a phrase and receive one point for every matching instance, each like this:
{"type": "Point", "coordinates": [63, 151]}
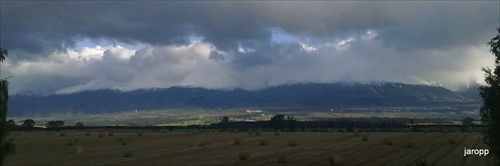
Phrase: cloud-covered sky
{"type": "Point", "coordinates": [68, 46]}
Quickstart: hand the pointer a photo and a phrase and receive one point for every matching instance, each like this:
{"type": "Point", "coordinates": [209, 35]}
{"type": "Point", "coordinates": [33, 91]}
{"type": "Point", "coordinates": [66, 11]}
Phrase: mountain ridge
{"type": "Point", "coordinates": [309, 95]}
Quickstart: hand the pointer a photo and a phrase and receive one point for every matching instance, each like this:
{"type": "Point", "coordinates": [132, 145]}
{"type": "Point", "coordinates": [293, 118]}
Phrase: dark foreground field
{"type": "Point", "coordinates": [219, 148]}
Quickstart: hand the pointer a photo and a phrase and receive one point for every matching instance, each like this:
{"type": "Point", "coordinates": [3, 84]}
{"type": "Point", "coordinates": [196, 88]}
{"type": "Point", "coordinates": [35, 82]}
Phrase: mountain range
{"type": "Point", "coordinates": [306, 95]}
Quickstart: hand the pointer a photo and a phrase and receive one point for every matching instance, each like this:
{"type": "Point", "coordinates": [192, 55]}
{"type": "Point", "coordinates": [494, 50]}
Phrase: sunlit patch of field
{"type": "Point", "coordinates": [100, 147]}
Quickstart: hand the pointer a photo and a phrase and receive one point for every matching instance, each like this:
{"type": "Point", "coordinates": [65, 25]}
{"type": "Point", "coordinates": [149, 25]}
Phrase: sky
{"type": "Point", "coordinates": [71, 46]}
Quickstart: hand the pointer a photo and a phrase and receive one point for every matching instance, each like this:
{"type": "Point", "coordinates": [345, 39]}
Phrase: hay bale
{"type": "Point", "coordinates": [250, 133]}
{"type": "Point", "coordinates": [139, 134]}
{"type": "Point", "coordinates": [111, 134]}
{"type": "Point", "coordinates": [124, 143]}
{"type": "Point", "coordinates": [263, 142]}
{"type": "Point", "coordinates": [356, 134]}
{"type": "Point", "coordinates": [237, 142]}
{"type": "Point", "coordinates": [292, 142]}
{"type": "Point", "coordinates": [283, 159]}
{"type": "Point", "coordinates": [101, 135]}
{"type": "Point", "coordinates": [277, 133]}
{"type": "Point", "coordinates": [62, 134]}
{"type": "Point", "coordinates": [410, 144]}
{"type": "Point", "coordinates": [259, 132]}
{"type": "Point", "coordinates": [87, 134]}
{"type": "Point", "coordinates": [486, 139]}
{"type": "Point", "coordinates": [364, 137]}
{"type": "Point", "coordinates": [120, 139]}
{"type": "Point", "coordinates": [335, 160]}
{"type": "Point", "coordinates": [49, 133]}
{"type": "Point", "coordinates": [244, 155]}
{"type": "Point", "coordinates": [452, 141]}
{"type": "Point", "coordinates": [127, 153]}
{"type": "Point", "coordinates": [387, 141]}
{"type": "Point", "coordinates": [77, 150]}
{"type": "Point", "coordinates": [343, 130]}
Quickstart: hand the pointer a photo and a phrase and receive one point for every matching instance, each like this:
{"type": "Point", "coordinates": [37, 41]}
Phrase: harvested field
{"type": "Point", "coordinates": [208, 148]}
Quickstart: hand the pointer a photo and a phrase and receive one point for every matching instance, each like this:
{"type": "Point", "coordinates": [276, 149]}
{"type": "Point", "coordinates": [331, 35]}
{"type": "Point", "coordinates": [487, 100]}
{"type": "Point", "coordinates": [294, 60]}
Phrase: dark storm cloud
{"type": "Point", "coordinates": [413, 41]}
{"type": "Point", "coordinates": [35, 26]}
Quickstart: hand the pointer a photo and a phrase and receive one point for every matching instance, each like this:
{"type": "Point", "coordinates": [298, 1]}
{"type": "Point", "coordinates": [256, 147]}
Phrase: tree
{"type": "Point", "coordinates": [55, 124]}
{"type": "Point", "coordinates": [28, 123]}
{"type": "Point", "coordinates": [468, 121]}
{"type": "Point", "coordinates": [11, 123]}
{"type": "Point", "coordinates": [6, 146]}
{"type": "Point", "coordinates": [224, 122]}
{"type": "Point", "coordinates": [490, 93]}
{"type": "Point", "coordinates": [79, 124]}
{"type": "Point", "coordinates": [278, 122]}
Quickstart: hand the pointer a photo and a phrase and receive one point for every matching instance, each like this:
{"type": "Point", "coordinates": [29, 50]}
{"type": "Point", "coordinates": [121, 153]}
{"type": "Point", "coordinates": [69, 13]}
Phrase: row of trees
{"type": "Point", "coordinates": [30, 123]}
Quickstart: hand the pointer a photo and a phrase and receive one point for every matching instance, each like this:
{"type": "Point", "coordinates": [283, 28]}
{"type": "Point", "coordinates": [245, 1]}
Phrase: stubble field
{"type": "Point", "coordinates": [219, 148]}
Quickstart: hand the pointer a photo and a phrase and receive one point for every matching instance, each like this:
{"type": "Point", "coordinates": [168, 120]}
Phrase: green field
{"type": "Point", "coordinates": [218, 148]}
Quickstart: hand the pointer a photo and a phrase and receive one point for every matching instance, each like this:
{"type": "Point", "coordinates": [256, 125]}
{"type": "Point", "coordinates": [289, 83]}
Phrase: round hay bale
{"type": "Point", "coordinates": [244, 155]}
{"type": "Point", "coordinates": [120, 139]}
{"type": "Point", "coordinates": [410, 144]}
{"type": "Point", "coordinates": [139, 134]}
{"type": "Point", "coordinates": [292, 142]}
{"type": "Point", "coordinates": [387, 141]}
{"type": "Point", "coordinates": [452, 141]}
{"type": "Point", "coordinates": [335, 160]}
{"type": "Point", "coordinates": [87, 134]}
{"type": "Point", "coordinates": [77, 150]}
{"type": "Point", "coordinates": [124, 143]}
{"type": "Point", "coordinates": [127, 153]}
{"type": "Point", "coordinates": [283, 159]}
{"type": "Point", "coordinates": [356, 134]}
{"type": "Point", "coordinates": [276, 133]}
{"type": "Point", "coordinates": [263, 142]}
{"type": "Point", "coordinates": [258, 132]}
{"type": "Point", "coordinates": [111, 134]}
{"type": "Point", "coordinates": [364, 137]}
{"type": "Point", "coordinates": [486, 139]}
{"type": "Point", "coordinates": [101, 135]}
{"type": "Point", "coordinates": [250, 133]}
{"type": "Point", "coordinates": [62, 134]}
{"type": "Point", "coordinates": [49, 133]}
{"type": "Point", "coordinates": [237, 142]}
